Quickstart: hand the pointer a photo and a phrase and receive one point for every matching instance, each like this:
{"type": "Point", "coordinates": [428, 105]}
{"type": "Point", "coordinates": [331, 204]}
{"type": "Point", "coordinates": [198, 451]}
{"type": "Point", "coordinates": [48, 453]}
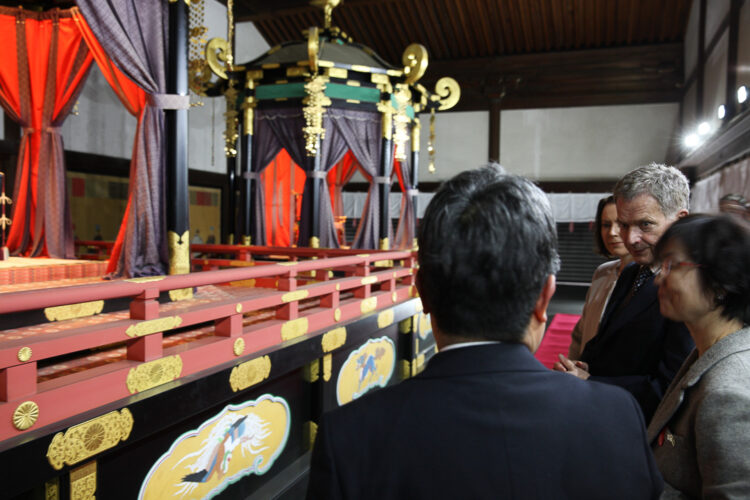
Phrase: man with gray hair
{"type": "Point", "coordinates": [636, 347]}
{"type": "Point", "coordinates": [485, 419]}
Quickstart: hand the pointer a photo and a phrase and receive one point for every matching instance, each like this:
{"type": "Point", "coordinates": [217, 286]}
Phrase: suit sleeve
{"type": "Point", "coordinates": [649, 389]}
{"type": "Point", "coordinates": [722, 441]}
{"type": "Point", "coordinates": [574, 351]}
{"type": "Point", "coordinates": [324, 481]}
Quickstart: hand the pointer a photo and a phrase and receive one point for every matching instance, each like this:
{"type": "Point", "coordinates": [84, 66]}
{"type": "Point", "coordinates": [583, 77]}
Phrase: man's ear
{"type": "Point", "coordinates": [682, 213]}
{"type": "Point", "coordinates": [420, 288]}
{"type": "Point", "coordinates": [548, 290]}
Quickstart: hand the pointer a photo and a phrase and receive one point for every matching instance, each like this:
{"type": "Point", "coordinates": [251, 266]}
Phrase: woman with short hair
{"type": "Point", "coordinates": [700, 433]}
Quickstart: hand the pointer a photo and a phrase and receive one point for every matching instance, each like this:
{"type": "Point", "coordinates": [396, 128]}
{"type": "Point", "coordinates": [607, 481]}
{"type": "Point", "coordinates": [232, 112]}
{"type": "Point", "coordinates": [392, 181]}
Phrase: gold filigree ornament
{"type": "Point", "coordinates": [232, 117]}
{"type": "Point", "coordinates": [294, 328]}
{"type": "Point", "coordinates": [83, 482]}
{"type": "Point", "coordinates": [239, 347]}
{"type": "Point", "coordinates": [401, 121]}
{"type": "Point", "coordinates": [154, 373]}
{"type": "Point", "coordinates": [26, 415]}
{"type": "Point", "coordinates": [24, 354]}
{"type": "Point", "coordinates": [431, 143]}
{"type": "Point", "coordinates": [72, 311]}
{"type": "Point", "coordinates": [181, 294]}
{"type": "Point", "coordinates": [85, 440]}
{"type": "Point", "coordinates": [385, 318]}
{"type": "Point", "coordinates": [249, 373]}
{"type": "Point", "coordinates": [315, 104]}
{"type": "Point", "coordinates": [199, 73]}
{"type": "Point", "coordinates": [179, 252]}
{"type": "Point", "coordinates": [151, 326]}
{"type": "Point", "coordinates": [334, 339]}
{"type": "Point", "coordinates": [368, 305]}
{"type": "Point", "coordinates": [415, 60]}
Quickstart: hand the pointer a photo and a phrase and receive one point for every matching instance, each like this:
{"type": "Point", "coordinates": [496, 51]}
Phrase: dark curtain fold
{"type": "Point", "coordinates": [277, 128]}
{"type": "Point", "coordinates": [332, 150]}
{"type": "Point", "coordinates": [362, 132]}
{"type": "Point", "coordinates": [43, 67]}
{"type": "Point", "coordinates": [406, 230]}
{"type": "Point", "coordinates": [134, 35]}
{"type": "Point", "coordinates": [265, 148]}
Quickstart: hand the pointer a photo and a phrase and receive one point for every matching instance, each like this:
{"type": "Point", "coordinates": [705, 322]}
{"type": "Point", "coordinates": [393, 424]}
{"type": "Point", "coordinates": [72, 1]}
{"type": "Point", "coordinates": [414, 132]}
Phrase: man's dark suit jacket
{"type": "Point", "coordinates": [485, 421]}
{"type": "Point", "coordinates": [636, 347]}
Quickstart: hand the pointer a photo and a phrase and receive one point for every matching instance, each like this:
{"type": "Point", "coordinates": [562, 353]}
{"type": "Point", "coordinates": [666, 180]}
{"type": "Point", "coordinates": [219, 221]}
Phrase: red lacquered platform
{"type": "Point", "coordinates": [22, 270]}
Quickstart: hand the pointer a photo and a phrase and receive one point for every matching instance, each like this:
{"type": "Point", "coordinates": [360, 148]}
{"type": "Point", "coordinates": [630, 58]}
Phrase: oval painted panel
{"type": "Point", "coordinates": [370, 365]}
{"type": "Point", "coordinates": [241, 440]}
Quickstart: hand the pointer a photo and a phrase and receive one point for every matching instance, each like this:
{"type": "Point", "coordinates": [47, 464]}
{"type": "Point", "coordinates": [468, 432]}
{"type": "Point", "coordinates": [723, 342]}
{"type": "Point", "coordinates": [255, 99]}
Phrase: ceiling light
{"type": "Point", "coordinates": [692, 140]}
{"type": "Point", "coordinates": [704, 128]}
{"type": "Point", "coordinates": [721, 112]}
{"type": "Point", "coordinates": [742, 94]}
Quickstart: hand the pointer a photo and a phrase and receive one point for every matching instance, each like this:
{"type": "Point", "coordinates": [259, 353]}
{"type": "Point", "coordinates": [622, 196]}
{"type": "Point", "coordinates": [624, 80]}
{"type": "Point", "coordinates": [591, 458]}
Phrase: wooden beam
{"type": "Point", "coordinates": [630, 75]}
{"type": "Point", "coordinates": [701, 66]}
{"type": "Point", "coordinates": [261, 10]}
{"type": "Point", "coordinates": [732, 51]}
{"type": "Point", "coordinates": [731, 145]}
{"type": "Point", "coordinates": [495, 113]}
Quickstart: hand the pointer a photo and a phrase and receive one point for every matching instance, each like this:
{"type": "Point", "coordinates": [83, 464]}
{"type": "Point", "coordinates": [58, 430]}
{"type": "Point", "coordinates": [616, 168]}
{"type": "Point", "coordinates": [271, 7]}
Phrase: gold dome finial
{"type": "Point", "coordinates": [327, 6]}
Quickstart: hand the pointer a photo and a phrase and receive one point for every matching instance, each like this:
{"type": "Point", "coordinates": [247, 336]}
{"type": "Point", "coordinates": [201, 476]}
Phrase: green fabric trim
{"type": "Point", "coordinates": [333, 90]}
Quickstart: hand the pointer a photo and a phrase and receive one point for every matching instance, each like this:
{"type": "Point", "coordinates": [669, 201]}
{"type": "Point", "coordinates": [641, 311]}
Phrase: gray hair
{"type": "Point", "coordinates": [668, 186]}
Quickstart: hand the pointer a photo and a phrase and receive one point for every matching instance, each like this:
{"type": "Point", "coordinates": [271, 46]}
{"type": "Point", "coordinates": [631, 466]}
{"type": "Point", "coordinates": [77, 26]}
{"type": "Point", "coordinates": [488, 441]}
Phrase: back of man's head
{"type": "Point", "coordinates": [487, 244]}
{"type": "Point", "coordinates": [667, 185]}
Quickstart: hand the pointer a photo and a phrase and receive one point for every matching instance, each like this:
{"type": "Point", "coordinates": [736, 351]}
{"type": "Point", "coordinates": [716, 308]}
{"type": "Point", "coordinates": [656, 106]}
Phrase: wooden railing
{"type": "Point", "coordinates": [334, 287]}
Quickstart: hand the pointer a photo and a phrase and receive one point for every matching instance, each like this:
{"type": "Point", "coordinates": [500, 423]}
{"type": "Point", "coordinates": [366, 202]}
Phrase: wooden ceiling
{"type": "Point", "coordinates": [513, 53]}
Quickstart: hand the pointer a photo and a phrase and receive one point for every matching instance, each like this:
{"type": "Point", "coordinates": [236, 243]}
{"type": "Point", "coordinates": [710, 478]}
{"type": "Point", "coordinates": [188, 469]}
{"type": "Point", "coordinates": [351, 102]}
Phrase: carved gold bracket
{"type": "Point", "coordinates": [217, 50]}
{"type": "Point", "coordinates": [448, 93]}
{"type": "Point", "coordinates": [415, 61]}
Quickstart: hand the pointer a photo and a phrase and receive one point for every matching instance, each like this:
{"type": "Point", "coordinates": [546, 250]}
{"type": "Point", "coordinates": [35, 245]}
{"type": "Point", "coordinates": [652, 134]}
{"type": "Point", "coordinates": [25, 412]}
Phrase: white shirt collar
{"type": "Point", "coordinates": [460, 345]}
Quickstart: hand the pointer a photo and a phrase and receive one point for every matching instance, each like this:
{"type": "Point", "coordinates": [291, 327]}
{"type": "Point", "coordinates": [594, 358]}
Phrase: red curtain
{"type": "Point", "coordinates": [131, 96]}
{"type": "Point", "coordinates": [43, 65]}
{"type": "Point", "coordinates": [283, 184]}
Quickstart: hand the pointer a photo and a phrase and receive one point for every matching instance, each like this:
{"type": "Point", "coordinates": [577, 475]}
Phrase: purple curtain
{"type": "Point", "coordinates": [134, 34]}
{"type": "Point", "coordinates": [362, 132]}
{"type": "Point", "coordinates": [407, 220]}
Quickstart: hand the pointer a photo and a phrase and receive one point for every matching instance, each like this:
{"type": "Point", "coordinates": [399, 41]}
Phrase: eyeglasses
{"type": "Point", "coordinates": [668, 264]}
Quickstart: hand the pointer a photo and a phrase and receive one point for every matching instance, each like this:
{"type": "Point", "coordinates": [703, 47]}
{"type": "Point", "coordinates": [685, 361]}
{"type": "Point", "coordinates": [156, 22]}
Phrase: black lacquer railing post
{"type": "Point", "coordinates": [176, 124]}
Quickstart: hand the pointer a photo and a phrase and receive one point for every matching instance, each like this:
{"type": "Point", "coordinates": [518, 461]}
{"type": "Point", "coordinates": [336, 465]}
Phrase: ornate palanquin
{"type": "Point", "coordinates": [321, 99]}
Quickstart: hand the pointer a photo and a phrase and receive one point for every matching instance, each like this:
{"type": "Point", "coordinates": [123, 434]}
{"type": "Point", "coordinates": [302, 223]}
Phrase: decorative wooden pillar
{"type": "Point", "coordinates": [414, 191]}
{"type": "Point", "coordinates": [232, 197]}
{"type": "Point", "coordinates": [176, 124]}
{"type": "Point", "coordinates": [732, 54]}
{"type": "Point", "coordinates": [314, 177]}
{"type": "Point", "coordinates": [495, 129]}
{"type": "Point", "coordinates": [382, 179]}
{"type": "Point", "coordinates": [246, 151]}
